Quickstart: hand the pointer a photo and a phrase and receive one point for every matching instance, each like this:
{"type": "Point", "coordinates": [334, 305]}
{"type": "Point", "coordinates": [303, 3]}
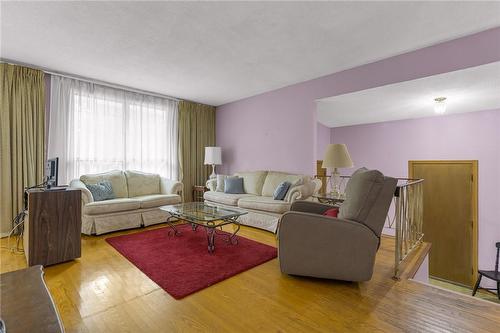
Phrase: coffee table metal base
{"type": "Point", "coordinates": [210, 228]}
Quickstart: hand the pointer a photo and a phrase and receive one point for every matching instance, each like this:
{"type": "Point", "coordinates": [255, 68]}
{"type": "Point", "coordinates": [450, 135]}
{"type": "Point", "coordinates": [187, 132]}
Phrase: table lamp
{"type": "Point", "coordinates": [213, 158]}
{"type": "Point", "coordinates": [336, 156]}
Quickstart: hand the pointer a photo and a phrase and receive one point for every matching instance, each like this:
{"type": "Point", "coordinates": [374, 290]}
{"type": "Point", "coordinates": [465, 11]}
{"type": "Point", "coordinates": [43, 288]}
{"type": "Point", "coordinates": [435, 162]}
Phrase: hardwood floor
{"type": "Point", "coordinates": [487, 295]}
{"type": "Point", "coordinates": [104, 292]}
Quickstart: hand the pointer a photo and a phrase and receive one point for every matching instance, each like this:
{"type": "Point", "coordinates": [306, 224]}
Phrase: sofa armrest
{"type": "Point", "coordinates": [169, 186]}
{"type": "Point", "coordinates": [300, 192]}
{"type": "Point", "coordinates": [86, 194]}
{"type": "Point", "coordinates": [318, 184]}
{"type": "Point", "coordinates": [325, 247]}
{"type": "Point", "coordinates": [211, 184]}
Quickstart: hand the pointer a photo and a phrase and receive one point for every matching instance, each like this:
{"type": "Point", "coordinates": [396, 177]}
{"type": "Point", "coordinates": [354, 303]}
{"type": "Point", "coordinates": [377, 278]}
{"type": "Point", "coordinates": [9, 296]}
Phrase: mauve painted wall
{"type": "Point", "coordinates": [323, 138]}
{"type": "Point", "coordinates": [277, 130]}
{"type": "Point", "coordinates": [470, 136]}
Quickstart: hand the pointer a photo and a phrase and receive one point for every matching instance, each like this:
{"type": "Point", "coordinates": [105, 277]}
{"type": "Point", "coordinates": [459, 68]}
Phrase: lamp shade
{"type": "Point", "coordinates": [213, 156]}
{"type": "Point", "coordinates": [337, 156]}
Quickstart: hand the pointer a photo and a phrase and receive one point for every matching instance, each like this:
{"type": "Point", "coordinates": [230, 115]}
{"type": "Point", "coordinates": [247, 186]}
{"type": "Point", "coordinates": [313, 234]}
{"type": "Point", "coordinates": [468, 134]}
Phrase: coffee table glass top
{"type": "Point", "coordinates": [202, 212]}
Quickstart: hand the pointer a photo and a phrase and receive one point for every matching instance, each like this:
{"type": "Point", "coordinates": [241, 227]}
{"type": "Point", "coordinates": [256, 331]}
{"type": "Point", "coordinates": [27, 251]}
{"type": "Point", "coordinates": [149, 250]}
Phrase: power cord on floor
{"type": "Point", "coordinates": [18, 223]}
{"type": "Point", "coordinates": [17, 232]}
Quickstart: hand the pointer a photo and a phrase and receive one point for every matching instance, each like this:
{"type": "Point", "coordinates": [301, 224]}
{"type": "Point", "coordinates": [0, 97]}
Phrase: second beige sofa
{"type": "Point", "coordinates": [259, 186]}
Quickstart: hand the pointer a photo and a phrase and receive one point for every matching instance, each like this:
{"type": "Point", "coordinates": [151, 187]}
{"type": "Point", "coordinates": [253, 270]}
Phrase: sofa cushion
{"type": "Point", "coordinates": [267, 204]}
{"type": "Point", "coordinates": [224, 198]}
{"type": "Point", "coordinates": [141, 183]}
{"type": "Point", "coordinates": [111, 206]}
{"type": "Point", "coordinates": [273, 179]}
{"type": "Point", "coordinates": [253, 181]}
{"type": "Point", "coordinates": [116, 177]}
{"type": "Point", "coordinates": [361, 192]}
{"type": "Point", "coordinates": [157, 200]}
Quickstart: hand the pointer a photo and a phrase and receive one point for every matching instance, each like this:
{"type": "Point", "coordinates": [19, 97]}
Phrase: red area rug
{"type": "Point", "coordinates": [181, 265]}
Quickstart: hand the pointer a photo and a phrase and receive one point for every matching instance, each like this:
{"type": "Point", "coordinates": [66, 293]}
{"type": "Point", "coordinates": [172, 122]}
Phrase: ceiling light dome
{"type": "Point", "coordinates": [440, 105]}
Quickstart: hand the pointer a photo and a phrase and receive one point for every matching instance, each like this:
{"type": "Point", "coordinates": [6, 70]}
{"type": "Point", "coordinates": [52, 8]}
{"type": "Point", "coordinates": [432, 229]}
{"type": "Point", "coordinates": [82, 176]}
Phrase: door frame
{"type": "Point", "coordinates": [474, 203]}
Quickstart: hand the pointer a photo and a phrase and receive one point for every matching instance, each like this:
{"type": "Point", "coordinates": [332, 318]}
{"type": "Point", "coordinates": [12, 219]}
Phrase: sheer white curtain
{"type": "Point", "coordinates": [93, 128]}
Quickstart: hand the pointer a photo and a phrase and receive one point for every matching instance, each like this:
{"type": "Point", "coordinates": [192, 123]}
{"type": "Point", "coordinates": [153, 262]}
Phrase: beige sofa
{"type": "Point", "coordinates": [138, 198]}
{"type": "Point", "coordinates": [263, 211]}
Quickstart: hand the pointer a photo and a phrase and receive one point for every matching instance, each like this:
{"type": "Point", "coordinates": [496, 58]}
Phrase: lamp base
{"type": "Point", "coordinates": [335, 192]}
{"type": "Point", "coordinates": [213, 175]}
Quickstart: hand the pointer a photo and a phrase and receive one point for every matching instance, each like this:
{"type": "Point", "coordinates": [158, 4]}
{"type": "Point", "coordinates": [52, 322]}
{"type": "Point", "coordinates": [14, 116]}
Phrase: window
{"type": "Point", "coordinates": [106, 129]}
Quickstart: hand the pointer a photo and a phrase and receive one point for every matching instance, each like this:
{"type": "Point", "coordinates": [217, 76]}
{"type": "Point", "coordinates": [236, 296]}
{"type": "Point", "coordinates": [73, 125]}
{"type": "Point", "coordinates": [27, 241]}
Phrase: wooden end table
{"type": "Point", "coordinates": [198, 191]}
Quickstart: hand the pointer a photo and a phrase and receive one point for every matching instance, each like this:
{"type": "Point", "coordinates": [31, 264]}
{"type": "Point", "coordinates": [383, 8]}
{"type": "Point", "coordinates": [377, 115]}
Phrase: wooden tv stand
{"type": "Point", "coordinates": [53, 226]}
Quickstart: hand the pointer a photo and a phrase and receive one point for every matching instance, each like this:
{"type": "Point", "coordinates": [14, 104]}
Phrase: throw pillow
{"type": "Point", "coordinates": [281, 190]}
{"type": "Point", "coordinates": [102, 190]}
{"type": "Point", "coordinates": [332, 212]}
{"type": "Point", "coordinates": [233, 185]}
{"type": "Point", "coordinates": [220, 182]}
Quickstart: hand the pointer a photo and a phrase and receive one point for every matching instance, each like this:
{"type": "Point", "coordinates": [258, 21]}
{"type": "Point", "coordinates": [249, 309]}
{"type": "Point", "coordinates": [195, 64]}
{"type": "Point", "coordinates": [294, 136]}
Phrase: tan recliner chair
{"type": "Point", "coordinates": [341, 248]}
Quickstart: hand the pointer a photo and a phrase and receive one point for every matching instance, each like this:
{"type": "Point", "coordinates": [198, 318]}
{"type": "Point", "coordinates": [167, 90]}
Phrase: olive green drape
{"type": "Point", "coordinates": [196, 131]}
{"type": "Point", "coordinates": [22, 135]}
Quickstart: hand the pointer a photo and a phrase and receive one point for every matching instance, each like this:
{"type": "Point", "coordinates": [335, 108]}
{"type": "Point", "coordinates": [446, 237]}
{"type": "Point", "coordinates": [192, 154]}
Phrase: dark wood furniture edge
{"type": "Point", "coordinates": [33, 275]}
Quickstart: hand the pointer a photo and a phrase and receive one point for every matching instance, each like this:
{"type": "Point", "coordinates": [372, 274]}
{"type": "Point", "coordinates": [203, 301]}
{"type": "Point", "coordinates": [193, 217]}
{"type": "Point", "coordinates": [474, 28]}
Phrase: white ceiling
{"type": "Point", "coordinates": [218, 52]}
{"type": "Point", "coordinates": [467, 90]}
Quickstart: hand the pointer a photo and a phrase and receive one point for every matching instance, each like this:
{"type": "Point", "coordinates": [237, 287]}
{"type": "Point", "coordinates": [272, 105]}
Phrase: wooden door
{"type": "Point", "coordinates": [450, 217]}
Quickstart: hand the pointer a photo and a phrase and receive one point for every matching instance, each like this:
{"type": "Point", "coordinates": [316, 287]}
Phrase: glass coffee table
{"type": "Point", "coordinates": [208, 216]}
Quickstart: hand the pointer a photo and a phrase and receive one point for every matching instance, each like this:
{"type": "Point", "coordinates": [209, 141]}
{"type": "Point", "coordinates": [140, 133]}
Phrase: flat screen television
{"type": "Point", "coordinates": [51, 171]}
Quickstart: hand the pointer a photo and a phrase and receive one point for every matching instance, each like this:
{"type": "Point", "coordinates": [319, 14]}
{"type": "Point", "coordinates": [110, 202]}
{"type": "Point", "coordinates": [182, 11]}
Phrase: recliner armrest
{"type": "Point", "coordinates": [169, 186]}
{"type": "Point", "coordinates": [310, 207]}
{"type": "Point", "coordinates": [86, 194]}
{"type": "Point", "coordinates": [325, 247]}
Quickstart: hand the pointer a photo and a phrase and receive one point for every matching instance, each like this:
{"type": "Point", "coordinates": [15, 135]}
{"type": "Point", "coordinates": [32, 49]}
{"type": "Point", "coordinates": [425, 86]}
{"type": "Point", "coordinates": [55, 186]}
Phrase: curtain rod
{"type": "Point", "coordinates": [81, 78]}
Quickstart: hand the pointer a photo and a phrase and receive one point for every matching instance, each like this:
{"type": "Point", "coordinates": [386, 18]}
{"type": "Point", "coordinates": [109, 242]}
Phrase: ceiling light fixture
{"type": "Point", "coordinates": [440, 105]}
